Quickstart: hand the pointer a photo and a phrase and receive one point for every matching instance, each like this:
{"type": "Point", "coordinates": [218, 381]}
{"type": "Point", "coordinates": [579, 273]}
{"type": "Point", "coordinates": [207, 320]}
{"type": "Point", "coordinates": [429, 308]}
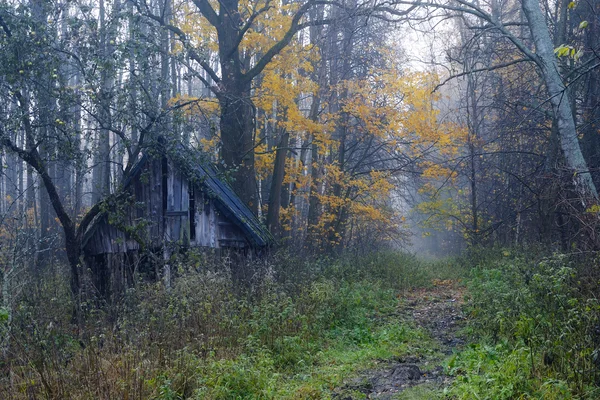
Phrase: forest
{"type": "Point", "coordinates": [299, 199]}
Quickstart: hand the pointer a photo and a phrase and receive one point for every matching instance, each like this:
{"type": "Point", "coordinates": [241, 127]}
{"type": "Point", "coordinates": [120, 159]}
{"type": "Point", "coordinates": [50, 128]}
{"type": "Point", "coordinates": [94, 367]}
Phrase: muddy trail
{"type": "Point", "coordinates": [437, 310]}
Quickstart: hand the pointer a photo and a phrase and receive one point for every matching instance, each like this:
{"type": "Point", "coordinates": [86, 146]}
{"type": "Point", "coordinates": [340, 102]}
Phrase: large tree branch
{"type": "Point", "coordinates": [5, 27]}
{"type": "Point", "coordinates": [294, 28]}
{"type": "Point", "coordinates": [183, 38]}
{"type": "Point", "coordinates": [471, 9]}
{"type": "Point", "coordinates": [483, 69]}
{"type": "Point", "coordinates": [33, 158]}
{"type": "Point", "coordinates": [248, 25]}
{"type": "Point", "coordinates": [208, 12]}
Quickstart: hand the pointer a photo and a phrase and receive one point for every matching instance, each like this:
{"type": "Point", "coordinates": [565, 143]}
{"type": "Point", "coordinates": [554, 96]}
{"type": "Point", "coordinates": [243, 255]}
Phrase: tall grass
{"type": "Point", "coordinates": [539, 322]}
{"type": "Point", "coordinates": [213, 336]}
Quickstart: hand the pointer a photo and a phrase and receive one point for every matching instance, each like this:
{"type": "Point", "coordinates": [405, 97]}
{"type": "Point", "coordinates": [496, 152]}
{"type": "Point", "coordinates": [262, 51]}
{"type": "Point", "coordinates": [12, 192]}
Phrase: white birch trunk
{"type": "Point", "coordinates": [561, 104]}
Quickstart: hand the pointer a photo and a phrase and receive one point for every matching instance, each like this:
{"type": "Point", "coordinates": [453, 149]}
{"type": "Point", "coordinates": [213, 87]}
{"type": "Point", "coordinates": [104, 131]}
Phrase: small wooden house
{"type": "Point", "coordinates": [176, 202]}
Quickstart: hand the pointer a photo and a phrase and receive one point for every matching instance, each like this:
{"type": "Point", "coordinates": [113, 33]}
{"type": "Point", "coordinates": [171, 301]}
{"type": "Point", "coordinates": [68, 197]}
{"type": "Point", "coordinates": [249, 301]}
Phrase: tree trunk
{"type": "Point", "coordinates": [591, 92]}
{"type": "Point", "coordinates": [237, 139]}
{"type": "Point", "coordinates": [314, 204]}
{"type": "Point", "coordinates": [561, 104]}
{"type": "Point", "coordinates": [237, 110]}
{"type": "Point", "coordinates": [474, 133]}
{"type": "Point", "coordinates": [277, 185]}
{"type": "Point", "coordinates": [46, 109]}
{"type": "Point", "coordinates": [101, 171]}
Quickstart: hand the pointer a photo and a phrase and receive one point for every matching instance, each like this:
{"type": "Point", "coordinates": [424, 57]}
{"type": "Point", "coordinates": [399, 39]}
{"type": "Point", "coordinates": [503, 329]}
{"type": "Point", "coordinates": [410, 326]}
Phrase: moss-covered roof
{"type": "Point", "coordinates": [198, 169]}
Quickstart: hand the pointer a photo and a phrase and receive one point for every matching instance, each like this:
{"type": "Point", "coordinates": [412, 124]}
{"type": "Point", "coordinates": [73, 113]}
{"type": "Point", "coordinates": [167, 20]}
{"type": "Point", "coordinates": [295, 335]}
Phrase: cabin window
{"type": "Point", "coordinates": [192, 196]}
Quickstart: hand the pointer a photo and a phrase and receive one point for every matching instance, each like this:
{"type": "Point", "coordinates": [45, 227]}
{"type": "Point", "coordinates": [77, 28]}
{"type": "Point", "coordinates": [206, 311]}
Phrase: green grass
{"type": "Point", "coordinates": [305, 329]}
{"type": "Point", "coordinates": [255, 375]}
{"type": "Point", "coordinates": [532, 324]}
{"type": "Point", "coordinates": [325, 364]}
{"type": "Point", "coordinates": [298, 330]}
{"type": "Point", "coordinates": [426, 391]}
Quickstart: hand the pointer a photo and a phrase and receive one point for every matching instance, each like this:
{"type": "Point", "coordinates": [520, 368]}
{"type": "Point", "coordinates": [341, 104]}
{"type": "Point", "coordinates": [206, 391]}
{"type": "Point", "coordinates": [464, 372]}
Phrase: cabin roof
{"type": "Point", "coordinates": [202, 172]}
{"type": "Point", "coordinates": [232, 207]}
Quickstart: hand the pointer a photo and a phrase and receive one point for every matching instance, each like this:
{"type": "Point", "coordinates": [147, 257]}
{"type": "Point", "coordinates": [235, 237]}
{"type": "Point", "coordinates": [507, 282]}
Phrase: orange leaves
{"type": "Point", "coordinates": [284, 82]}
{"type": "Point", "coordinates": [400, 107]}
{"type": "Point", "coordinates": [271, 20]}
{"type": "Point", "coordinates": [198, 31]}
{"type": "Point", "coordinates": [208, 145]}
{"type": "Point", "coordinates": [369, 213]}
{"type": "Point", "coordinates": [389, 110]}
{"type": "Point", "coordinates": [422, 120]}
{"type": "Point", "coordinates": [364, 198]}
{"type": "Point", "coordinates": [359, 129]}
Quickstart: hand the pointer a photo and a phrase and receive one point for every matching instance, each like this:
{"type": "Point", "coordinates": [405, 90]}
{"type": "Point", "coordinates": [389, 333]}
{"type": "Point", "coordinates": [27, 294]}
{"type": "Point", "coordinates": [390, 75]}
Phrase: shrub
{"type": "Point", "coordinates": [210, 335]}
{"type": "Point", "coordinates": [542, 320]}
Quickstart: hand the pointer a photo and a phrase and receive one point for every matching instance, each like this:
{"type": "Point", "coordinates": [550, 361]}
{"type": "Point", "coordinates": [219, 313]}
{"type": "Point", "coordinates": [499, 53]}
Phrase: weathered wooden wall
{"type": "Point", "coordinates": [177, 210]}
{"type": "Point", "coordinates": [160, 214]}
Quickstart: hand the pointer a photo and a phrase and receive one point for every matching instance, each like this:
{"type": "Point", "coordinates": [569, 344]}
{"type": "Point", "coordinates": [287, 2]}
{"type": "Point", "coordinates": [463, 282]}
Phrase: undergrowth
{"type": "Point", "coordinates": [292, 329]}
{"type": "Point", "coordinates": [539, 320]}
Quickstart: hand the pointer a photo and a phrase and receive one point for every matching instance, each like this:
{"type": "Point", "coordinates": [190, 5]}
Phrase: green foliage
{"type": "Point", "coordinates": [399, 271]}
{"type": "Point", "coordinates": [4, 314]}
{"type": "Point", "coordinates": [246, 377]}
{"type": "Point", "coordinates": [500, 372]}
{"type": "Point", "coordinates": [425, 391]}
{"type": "Point", "coordinates": [542, 326]}
{"type": "Point", "coordinates": [296, 329]}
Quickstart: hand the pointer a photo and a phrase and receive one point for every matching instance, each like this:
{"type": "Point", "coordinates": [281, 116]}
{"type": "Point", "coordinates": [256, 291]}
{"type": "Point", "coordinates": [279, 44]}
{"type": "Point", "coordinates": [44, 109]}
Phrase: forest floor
{"type": "Point", "coordinates": [437, 311]}
{"type": "Point", "coordinates": [388, 326]}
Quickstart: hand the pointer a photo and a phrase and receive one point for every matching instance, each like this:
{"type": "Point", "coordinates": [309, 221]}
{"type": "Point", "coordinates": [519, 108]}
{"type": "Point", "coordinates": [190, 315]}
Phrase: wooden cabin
{"type": "Point", "coordinates": [176, 202]}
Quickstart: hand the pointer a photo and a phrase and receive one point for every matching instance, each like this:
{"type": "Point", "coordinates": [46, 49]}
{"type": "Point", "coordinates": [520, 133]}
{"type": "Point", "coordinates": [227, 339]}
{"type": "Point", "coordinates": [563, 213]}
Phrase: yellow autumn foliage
{"type": "Point", "coordinates": [388, 109]}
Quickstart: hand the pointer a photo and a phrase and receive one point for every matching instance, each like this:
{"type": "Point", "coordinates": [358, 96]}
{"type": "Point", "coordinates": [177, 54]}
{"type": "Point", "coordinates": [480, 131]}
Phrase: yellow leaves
{"type": "Point", "coordinates": [325, 143]}
{"type": "Point", "coordinates": [594, 209]}
{"type": "Point", "coordinates": [569, 51]}
{"type": "Point", "coordinates": [208, 145]}
{"type": "Point", "coordinates": [194, 106]}
{"type": "Point", "coordinates": [286, 217]}
{"type": "Point", "coordinates": [369, 194]}
{"type": "Point", "coordinates": [369, 212]}
{"type": "Point", "coordinates": [264, 161]}
{"type": "Point", "coordinates": [198, 31]}
{"type": "Point", "coordinates": [266, 30]}
{"type": "Point", "coordinates": [283, 83]}
{"type": "Point", "coordinates": [387, 108]}
{"type": "Point", "coordinates": [397, 106]}
{"type": "Point", "coordinates": [436, 171]}
{"type": "Point", "coordinates": [440, 212]}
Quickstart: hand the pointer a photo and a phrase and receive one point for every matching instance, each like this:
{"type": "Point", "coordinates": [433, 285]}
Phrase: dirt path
{"type": "Point", "coordinates": [438, 311]}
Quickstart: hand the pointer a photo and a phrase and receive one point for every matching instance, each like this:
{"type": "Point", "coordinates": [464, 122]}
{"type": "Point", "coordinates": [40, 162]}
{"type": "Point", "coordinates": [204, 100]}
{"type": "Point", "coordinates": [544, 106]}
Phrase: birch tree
{"type": "Point", "coordinates": [542, 55]}
{"type": "Point", "coordinates": [545, 59]}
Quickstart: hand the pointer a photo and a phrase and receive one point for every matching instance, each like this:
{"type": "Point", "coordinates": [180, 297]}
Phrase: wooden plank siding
{"type": "Point", "coordinates": [164, 217]}
{"type": "Point", "coordinates": [177, 218]}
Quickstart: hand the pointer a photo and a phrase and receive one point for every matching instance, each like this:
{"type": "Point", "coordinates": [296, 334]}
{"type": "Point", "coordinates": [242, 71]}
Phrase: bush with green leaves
{"type": "Point", "coordinates": [500, 372]}
{"type": "Point", "coordinates": [280, 328]}
{"type": "Point", "coordinates": [537, 313]}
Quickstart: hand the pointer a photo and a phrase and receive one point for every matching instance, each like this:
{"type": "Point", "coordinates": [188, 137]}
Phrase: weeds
{"type": "Point", "coordinates": [540, 331]}
{"type": "Point", "coordinates": [294, 329]}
